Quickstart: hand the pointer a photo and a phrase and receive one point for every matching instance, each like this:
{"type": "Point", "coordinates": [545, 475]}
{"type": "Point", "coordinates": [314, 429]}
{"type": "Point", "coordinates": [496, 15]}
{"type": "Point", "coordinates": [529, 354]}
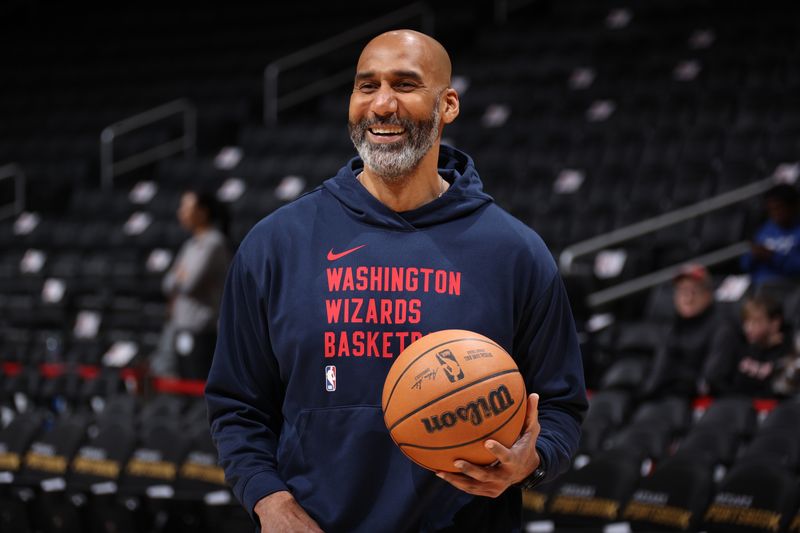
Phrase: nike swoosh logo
{"type": "Point", "coordinates": [333, 257]}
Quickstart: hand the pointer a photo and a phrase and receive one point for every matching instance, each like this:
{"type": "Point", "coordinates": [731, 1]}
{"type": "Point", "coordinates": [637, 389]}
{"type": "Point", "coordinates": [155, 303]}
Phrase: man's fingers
{"type": "Point", "coordinates": [471, 470]}
{"type": "Point", "coordinates": [467, 484]}
{"type": "Point", "coordinates": [453, 477]}
{"type": "Point", "coordinates": [502, 453]}
{"type": "Point", "coordinates": [512, 463]}
{"type": "Point", "coordinates": [532, 416]}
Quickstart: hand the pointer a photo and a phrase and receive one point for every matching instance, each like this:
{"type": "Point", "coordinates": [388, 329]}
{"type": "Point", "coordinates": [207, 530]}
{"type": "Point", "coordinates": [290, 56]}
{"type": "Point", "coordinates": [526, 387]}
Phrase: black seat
{"type": "Point", "coordinates": [156, 460]}
{"type": "Point", "coordinates": [202, 499]}
{"type": "Point", "coordinates": [16, 437]}
{"type": "Point", "coordinates": [611, 405]}
{"type": "Point", "coordinates": [96, 390]}
{"type": "Point", "coordinates": [594, 495]}
{"type": "Point", "coordinates": [673, 413]}
{"type": "Point", "coordinates": [777, 448]}
{"type": "Point", "coordinates": [534, 502]}
{"type": "Point", "coordinates": [103, 456]}
{"type": "Point", "coordinates": [51, 452]}
{"type": "Point", "coordinates": [116, 408]}
{"type": "Point", "coordinates": [640, 337]}
{"type": "Point", "coordinates": [717, 445]}
{"type": "Point", "coordinates": [23, 388]}
{"type": "Point", "coordinates": [734, 414]}
{"type": "Point", "coordinates": [196, 414]}
{"type": "Point", "coordinates": [659, 306]}
{"type": "Point", "coordinates": [627, 373]}
{"type": "Point", "coordinates": [147, 484]}
{"type": "Point", "coordinates": [593, 436]}
{"type": "Point", "coordinates": [674, 497]}
{"type": "Point", "coordinates": [754, 496]}
{"type": "Point", "coordinates": [45, 471]}
{"type": "Point", "coordinates": [783, 418]}
{"type": "Point", "coordinates": [164, 409]}
{"type": "Point", "coordinates": [722, 229]}
{"type": "Point", "coordinates": [648, 441]}
{"type": "Point", "coordinates": [94, 473]}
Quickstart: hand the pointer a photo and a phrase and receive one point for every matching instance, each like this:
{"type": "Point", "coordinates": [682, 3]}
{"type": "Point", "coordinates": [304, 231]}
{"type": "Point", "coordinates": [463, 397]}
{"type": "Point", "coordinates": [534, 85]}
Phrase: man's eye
{"type": "Point", "coordinates": [405, 85]}
{"type": "Point", "coordinates": [367, 87]}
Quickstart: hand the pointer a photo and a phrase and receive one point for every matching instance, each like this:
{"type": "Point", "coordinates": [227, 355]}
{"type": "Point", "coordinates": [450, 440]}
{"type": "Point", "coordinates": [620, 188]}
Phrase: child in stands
{"type": "Point", "coordinates": [763, 348]}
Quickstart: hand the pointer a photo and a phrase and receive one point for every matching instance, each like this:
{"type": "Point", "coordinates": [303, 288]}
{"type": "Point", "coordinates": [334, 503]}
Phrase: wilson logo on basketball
{"type": "Point", "coordinates": [475, 412]}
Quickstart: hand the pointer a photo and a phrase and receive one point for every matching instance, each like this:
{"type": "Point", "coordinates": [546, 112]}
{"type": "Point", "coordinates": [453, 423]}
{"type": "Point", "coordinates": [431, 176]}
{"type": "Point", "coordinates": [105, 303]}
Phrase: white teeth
{"type": "Point", "coordinates": [384, 131]}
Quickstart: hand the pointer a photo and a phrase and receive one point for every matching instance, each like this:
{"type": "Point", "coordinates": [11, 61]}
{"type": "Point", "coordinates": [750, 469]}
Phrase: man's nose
{"type": "Point", "coordinates": [385, 102]}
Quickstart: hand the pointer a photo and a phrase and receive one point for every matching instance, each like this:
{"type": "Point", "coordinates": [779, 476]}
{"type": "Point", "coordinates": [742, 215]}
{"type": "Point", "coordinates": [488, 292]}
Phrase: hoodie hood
{"type": "Point", "coordinates": [464, 196]}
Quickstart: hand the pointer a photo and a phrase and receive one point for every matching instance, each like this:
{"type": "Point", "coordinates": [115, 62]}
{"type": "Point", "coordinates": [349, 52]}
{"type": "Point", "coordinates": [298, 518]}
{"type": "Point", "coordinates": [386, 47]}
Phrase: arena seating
{"type": "Point", "coordinates": [582, 116]}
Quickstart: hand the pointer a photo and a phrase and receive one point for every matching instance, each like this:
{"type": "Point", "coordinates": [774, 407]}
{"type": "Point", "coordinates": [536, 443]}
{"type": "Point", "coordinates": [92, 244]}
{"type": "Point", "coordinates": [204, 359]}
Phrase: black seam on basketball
{"type": "Point", "coordinates": [409, 365]}
{"type": "Point", "coordinates": [484, 437]}
{"type": "Point", "coordinates": [450, 393]}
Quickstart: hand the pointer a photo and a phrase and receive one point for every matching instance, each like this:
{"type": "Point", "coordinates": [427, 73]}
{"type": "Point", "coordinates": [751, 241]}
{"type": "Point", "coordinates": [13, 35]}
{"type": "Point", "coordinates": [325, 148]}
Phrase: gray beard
{"type": "Point", "coordinates": [392, 162]}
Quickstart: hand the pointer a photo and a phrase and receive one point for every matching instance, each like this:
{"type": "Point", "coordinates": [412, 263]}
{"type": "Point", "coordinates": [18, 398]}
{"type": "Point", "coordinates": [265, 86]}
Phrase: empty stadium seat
{"type": "Point", "coordinates": [672, 412]}
{"type": "Point", "coordinates": [626, 373]}
{"type": "Point", "coordinates": [716, 444]}
{"type": "Point", "coordinates": [754, 496]}
{"type": "Point", "coordinates": [674, 497]}
{"type": "Point", "coordinates": [595, 494]}
{"type": "Point", "coordinates": [782, 419]}
{"type": "Point", "coordinates": [735, 415]}
{"type": "Point", "coordinates": [779, 448]}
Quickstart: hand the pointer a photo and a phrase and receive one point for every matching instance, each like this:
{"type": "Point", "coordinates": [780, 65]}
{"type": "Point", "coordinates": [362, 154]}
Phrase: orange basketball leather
{"type": "Point", "coordinates": [449, 392]}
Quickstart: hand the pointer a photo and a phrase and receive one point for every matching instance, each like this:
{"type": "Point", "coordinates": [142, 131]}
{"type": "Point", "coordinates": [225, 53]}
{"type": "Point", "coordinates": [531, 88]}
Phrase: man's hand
{"type": "Point", "coordinates": [513, 464]}
{"type": "Point", "coordinates": [280, 512]}
{"type": "Point", "coordinates": [760, 252]}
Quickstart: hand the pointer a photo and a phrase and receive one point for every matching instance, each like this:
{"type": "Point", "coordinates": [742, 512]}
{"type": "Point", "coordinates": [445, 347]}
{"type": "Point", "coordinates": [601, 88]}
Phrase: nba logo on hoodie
{"type": "Point", "coordinates": [330, 378]}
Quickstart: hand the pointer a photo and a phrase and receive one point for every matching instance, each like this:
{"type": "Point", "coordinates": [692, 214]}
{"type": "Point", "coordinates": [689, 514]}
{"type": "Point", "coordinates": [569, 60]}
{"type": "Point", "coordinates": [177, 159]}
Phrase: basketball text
{"type": "Point", "coordinates": [475, 412]}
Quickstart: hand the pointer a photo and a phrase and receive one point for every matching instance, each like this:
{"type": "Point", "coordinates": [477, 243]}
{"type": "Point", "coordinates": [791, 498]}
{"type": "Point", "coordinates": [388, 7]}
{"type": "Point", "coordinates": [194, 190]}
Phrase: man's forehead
{"type": "Point", "coordinates": [396, 73]}
{"type": "Point", "coordinates": [386, 56]}
{"type": "Point", "coordinates": [405, 51]}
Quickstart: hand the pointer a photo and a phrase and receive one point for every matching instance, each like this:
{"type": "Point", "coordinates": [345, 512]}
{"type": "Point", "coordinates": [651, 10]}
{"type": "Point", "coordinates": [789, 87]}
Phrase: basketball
{"type": "Point", "coordinates": [447, 393]}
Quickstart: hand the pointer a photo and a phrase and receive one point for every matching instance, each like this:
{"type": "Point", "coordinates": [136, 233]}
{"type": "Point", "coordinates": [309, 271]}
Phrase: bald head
{"type": "Point", "coordinates": [426, 52]}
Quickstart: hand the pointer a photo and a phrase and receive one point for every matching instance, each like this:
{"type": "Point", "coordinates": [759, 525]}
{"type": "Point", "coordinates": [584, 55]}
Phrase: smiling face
{"type": "Point", "coordinates": [401, 98]}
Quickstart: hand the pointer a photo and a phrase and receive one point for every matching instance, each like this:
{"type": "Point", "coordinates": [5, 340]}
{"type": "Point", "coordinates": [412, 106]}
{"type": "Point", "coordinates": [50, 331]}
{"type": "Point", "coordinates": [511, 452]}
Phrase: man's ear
{"type": "Point", "coordinates": [450, 105]}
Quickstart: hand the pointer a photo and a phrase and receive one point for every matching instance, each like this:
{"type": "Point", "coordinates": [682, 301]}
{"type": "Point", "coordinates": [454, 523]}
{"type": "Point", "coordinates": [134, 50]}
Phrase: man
{"type": "Point", "coordinates": [774, 257]}
{"type": "Point", "coordinates": [402, 242]}
{"type": "Point", "coordinates": [678, 363]}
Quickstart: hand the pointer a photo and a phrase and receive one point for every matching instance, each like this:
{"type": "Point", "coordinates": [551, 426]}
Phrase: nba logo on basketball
{"type": "Point", "coordinates": [330, 378]}
{"type": "Point", "coordinates": [450, 364]}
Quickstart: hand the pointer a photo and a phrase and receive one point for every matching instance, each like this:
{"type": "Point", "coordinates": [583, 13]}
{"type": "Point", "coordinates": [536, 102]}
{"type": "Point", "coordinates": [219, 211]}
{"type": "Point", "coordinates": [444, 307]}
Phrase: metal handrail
{"type": "Point", "coordinates": [13, 170]}
{"type": "Point", "coordinates": [109, 168]}
{"type": "Point", "coordinates": [273, 103]}
{"type": "Point", "coordinates": [567, 258]}
{"type": "Point", "coordinates": [642, 283]}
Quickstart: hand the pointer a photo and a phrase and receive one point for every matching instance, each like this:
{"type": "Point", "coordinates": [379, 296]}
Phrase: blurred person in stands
{"type": "Point", "coordinates": [752, 361]}
{"type": "Point", "coordinates": [193, 287]}
{"type": "Point", "coordinates": [679, 361]}
{"type": "Point", "coordinates": [774, 257]}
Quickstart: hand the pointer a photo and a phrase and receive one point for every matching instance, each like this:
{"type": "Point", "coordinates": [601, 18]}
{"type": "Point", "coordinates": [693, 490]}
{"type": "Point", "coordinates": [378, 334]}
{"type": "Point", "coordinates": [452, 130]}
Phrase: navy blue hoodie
{"type": "Point", "coordinates": [320, 298]}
